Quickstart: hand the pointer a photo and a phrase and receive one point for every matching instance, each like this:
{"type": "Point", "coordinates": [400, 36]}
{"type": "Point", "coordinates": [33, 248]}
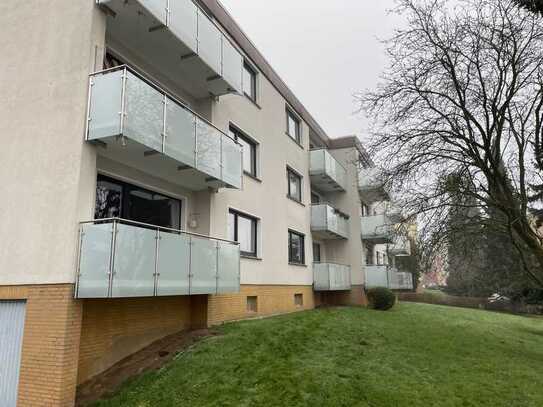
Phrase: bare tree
{"type": "Point", "coordinates": [464, 95]}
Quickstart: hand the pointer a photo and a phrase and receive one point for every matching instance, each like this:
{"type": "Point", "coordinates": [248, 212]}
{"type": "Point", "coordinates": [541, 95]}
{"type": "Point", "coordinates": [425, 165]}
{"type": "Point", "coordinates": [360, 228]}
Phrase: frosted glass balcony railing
{"type": "Point", "coordinates": [377, 229]}
{"type": "Point", "coordinates": [178, 37]}
{"type": "Point", "coordinates": [120, 258]}
{"type": "Point", "coordinates": [400, 247]}
{"type": "Point", "coordinates": [148, 129]}
{"type": "Point", "coordinates": [326, 173]}
{"type": "Point", "coordinates": [331, 277]}
{"type": "Point", "coordinates": [328, 223]}
{"type": "Point", "coordinates": [371, 186]}
{"type": "Point", "coordinates": [389, 277]}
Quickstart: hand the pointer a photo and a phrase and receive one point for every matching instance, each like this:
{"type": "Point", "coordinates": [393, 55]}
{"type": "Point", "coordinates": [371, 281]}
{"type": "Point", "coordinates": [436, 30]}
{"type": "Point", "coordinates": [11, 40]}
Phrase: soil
{"type": "Point", "coordinates": [152, 357]}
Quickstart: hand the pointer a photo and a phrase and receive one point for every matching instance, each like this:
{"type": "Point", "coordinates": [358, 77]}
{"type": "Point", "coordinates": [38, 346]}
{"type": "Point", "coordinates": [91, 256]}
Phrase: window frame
{"type": "Point", "coordinates": [253, 73]}
{"type": "Point", "coordinates": [300, 178]}
{"type": "Point", "coordinates": [291, 260]}
{"type": "Point", "coordinates": [126, 188]}
{"type": "Point", "coordinates": [255, 221]}
{"type": "Point", "coordinates": [291, 115]}
{"type": "Point", "coordinates": [317, 249]}
{"type": "Point", "coordinates": [241, 135]}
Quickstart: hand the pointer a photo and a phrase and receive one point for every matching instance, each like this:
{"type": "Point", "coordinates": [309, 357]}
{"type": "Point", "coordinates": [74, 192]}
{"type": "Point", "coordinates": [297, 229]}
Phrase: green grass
{"type": "Point", "coordinates": [414, 355]}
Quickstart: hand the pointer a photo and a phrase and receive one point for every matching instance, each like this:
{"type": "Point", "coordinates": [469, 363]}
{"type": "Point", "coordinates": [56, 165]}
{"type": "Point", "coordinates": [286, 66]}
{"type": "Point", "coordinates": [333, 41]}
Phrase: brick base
{"type": "Point", "coordinates": [50, 344]}
{"type": "Point", "coordinates": [270, 300]}
{"type": "Point", "coordinates": [357, 296]}
{"type": "Point", "coordinates": [115, 328]}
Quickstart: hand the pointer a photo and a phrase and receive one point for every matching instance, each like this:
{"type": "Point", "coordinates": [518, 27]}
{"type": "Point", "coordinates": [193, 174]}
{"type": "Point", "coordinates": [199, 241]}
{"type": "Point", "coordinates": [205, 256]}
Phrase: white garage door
{"type": "Point", "coordinates": [12, 320]}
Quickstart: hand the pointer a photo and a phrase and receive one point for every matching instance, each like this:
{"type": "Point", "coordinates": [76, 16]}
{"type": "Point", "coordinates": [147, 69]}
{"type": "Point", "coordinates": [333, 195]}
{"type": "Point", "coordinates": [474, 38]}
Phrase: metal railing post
{"type": "Point", "coordinates": [122, 113]}
{"type": "Point", "coordinates": [78, 264]}
{"type": "Point", "coordinates": [111, 271]}
{"type": "Point", "coordinates": [156, 274]}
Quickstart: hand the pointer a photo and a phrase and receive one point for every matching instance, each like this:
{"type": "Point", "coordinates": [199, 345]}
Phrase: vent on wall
{"type": "Point", "coordinates": [252, 304]}
{"type": "Point", "coordinates": [299, 300]}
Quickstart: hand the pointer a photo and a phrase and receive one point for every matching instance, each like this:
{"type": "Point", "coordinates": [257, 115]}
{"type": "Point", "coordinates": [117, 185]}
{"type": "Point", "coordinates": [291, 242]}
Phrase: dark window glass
{"type": "Point", "coordinates": [296, 249]}
{"type": "Point", "coordinates": [293, 126]}
{"type": "Point", "coordinates": [249, 150]}
{"type": "Point", "coordinates": [294, 185]}
{"type": "Point", "coordinates": [243, 229]}
{"type": "Point", "coordinates": [315, 199]}
{"type": "Point", "coordinates": [316, 252]}
{"type": "Point", "coordinates": [249, 82]}
{"type": "Point", "coordinates": [119, 199]}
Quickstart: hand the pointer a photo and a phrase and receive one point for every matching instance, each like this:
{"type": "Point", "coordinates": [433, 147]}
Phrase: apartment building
{"type": "Point", "coordinates": [157, 176]}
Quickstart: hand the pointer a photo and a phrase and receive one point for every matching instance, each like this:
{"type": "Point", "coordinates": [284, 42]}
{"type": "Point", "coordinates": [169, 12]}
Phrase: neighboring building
{"type": "Point", "coordinates": [158, 175]}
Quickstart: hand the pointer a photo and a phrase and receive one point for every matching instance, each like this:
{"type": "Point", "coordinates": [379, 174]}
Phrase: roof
{"type": "Point", "coordinates": [217, 10]}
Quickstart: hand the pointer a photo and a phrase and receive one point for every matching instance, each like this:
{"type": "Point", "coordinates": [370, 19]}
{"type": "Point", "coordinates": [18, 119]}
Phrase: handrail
{"type": "Point", "coordinates": [332, 263]}
{"type": "Point", "coordinates": [136, 223]}
{"type": "Point", "coordinates": [164, 92]}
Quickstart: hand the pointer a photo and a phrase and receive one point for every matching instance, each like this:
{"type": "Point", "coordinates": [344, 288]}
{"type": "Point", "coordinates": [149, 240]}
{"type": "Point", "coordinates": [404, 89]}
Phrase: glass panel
{"type": "Point", "coordinates": [203, 266]}
{"type": "Point", "coordinates": [292, 126]}
{"type": "Point", "coordinates": [231, 160]}
{"type": "Point", "coordinates": [134, 262]}
{"type": "Point", "coordinates": [208, 146]}
{"type": "Point", "coordinates": [232, 65]}
{"type": "Point", "coordinates": [144, 107]}
{"type": "Point", "coordinates": [296, 248]}
{"type": "Point", "coordinates": [157, 8]}
{"type": "Point", "coordinates": [173, 264]}
{"type": "Point", "coordinates": [317, 161]}
{"type": "Point", "coordinates": [248, 155]}
{"type": "Point", "coordinates": [332, 219]}
{"type": "Point", "coordinates": [94, 260]}
{"type": "Point", "coordinates": [180, 134]}
{"type": "Point", "coordinates": [209, 42]}
{"type": "Point", "coordinates": [109, 199]}
{"type": "Point", "coordinates": [184, 22]}
{"type": "Point", "coordinates": [228, 281]}
{"type": "Point", "coordinates": [318, 217]}
{"type": "Point", "coordinates": [316, 252]}
{"type": "Point", "coordinates": [105, 105]}
{"type": "Point", "coordinates": [321, 277]}
{"type": "Point", "coordinates": [294, 186]}
{"type": "Point", "coordinates": [231, 226]}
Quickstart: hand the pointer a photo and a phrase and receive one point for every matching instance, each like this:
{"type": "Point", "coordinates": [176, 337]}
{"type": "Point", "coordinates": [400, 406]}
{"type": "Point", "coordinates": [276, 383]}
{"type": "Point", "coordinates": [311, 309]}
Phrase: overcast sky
{"type": "Point", "coordinates": [325, 50]}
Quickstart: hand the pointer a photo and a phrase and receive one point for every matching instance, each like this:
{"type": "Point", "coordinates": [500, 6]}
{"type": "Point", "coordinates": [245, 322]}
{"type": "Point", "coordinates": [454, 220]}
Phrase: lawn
{"type": "Point", "coordinates": [414, 355]}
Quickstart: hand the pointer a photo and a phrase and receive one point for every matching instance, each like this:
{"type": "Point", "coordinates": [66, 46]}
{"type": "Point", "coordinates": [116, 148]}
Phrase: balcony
{"type": "Point", "coordinates": [326, 173]}
{"type": "Point", "coordinates": [145, 128]}
{"type": "Point", "coordinates": [328, 223]}
{"type": "Point", "coordinates": [331, 277]}
{"type": "Point", "coordinates": [385, 276]}
{"type": "Point", "coordinates": [121, 259]}
{"type": "Point", "coordinates": [377, 229]}
{"type": "Point", "coordinates": [400, 247]}
{"type": "Point", "coordinates": [371, 187]}
{"type": "Point", "coordinates": [181, 41]}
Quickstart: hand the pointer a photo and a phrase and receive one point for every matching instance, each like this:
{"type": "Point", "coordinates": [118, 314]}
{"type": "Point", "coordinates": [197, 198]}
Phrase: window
{"type": "Point", "coordinates": [296, 247]}
{"type": "Point", "coordinates": [249, 150]}
{"type": "Point", "coordinates": [293, 127]}
{"type": "Point", "coordinates": [316, 253]}
{"type": "Point", "coordinates": [116, 199]}
{"type": "Point", "coordinates": [294, 185]}
{"type": "Point", "coordinates": [315, 199]}
{"type": "Point", "coordinates": [242, 229]}
{"type": "Point", "coordinates": [252, 304]}
{"type": "Point", "coordinates": [249, 81]}
{"type": "Point", "coordinates": [299, 300]}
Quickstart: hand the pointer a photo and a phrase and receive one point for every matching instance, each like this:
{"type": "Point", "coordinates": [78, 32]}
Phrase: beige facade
{"type": "Point", "coordinates": [49, 174]}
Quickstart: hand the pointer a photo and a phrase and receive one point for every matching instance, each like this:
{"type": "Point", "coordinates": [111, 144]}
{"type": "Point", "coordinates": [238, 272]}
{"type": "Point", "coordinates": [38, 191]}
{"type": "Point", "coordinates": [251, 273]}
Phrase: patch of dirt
{"type": "Point", "coordinates": [152, 357]}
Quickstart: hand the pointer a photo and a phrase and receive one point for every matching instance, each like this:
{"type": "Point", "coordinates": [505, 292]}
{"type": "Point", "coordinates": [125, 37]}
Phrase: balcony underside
{"type": "Point", "coordinates": [378, 238]}
{"type": "Point", "coordinates": [194, 64]}
{"type": "Point", "coordinates": [395, 251]}
{"type": "Point", "coordinates": [370, 194]}
{"type": "Point", "coordinates": [325, 234]}
{"type": "Point", "coordinates": [325, 183]}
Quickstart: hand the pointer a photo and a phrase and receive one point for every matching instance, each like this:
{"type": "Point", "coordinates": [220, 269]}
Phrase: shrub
{"type": "Point", "coordinates": [381, 298]}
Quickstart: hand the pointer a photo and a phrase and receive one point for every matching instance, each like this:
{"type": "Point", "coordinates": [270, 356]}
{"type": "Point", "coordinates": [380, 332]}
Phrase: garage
{"type": "Point", "coordinates": [12, 319]}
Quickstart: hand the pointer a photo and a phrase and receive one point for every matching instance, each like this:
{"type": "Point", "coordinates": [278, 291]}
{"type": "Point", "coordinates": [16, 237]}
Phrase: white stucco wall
{"type": "Point", "coordinates": [46, 170]}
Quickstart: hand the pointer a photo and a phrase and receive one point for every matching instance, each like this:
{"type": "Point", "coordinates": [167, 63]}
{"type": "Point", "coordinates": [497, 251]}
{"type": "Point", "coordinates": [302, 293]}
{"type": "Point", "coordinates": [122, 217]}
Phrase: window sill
{"type": "Point", "coordinates": [297, 264]}
{"type": "Point", "coordinates": [295, 200]}
{"type": "Point", "coordinates": [249, 257]}
{"type": "Point", "coordinates": [252, 101]}
{"type": "Point", "coordinates": [253, 177]}
{"type": "Point", "coordinates": [295, 141]}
